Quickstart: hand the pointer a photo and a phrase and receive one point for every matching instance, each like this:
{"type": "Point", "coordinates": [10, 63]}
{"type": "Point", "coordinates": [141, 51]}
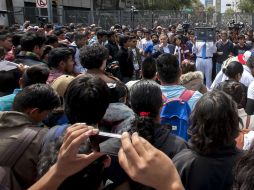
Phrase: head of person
{"type": "Point", "coordinates": [243, 171]}
{"type": "Point", "coordinates": [139, 33]}
{"type": "Point", "coordinates": [86, 99]}
{"type": "Point", "coordinates": [191, 35]}
{"type": "Point", "coordinates": [148, 68]}
{"type": "Point", "coordinates": [224, 35]}
{"type": "Point", "coordinates": [94, 57]}
{"type": "Point", "coordinates": [173, 28]}
{"type": "Point", "coordinates": [163, 39]}
{"type": "Point", "coordinates": [241, 39]}
{"type": "Point", "coordinates": [6, 40]}
{"type": "Point", "coordinates": [235, 90]}
{"type": "Point", "coordinates": [132, 41]}
{"type": "Point", "coordinates": [9, 80]}
{"type": "Point", "coordinates": [147, 34]}
{"type": "Point", "coordinates": [155, 38]}
{"type": "Point", "coordinates": [168, 69]}
{"type": "Point", "coordinates": [37, 101]}
{"type": "Point", "coordinates": [60, 33]}
{"type": "Point", "coordinates": [118, 92]}
{"type": "Point", "coordinates": [124, 41]}
{"type": "Point", "coordinates": [146, 102]}
{"type": "Point", "coordinates": [52, 40]}
{"type": "Point", "coordinates": [177, 40]}
{"type": "Point", "coordinates": [45, 54]}
{"type": "Point", "coordinates": [61, 59]}
{"type": "Point", "coordinates": [188, 66]}
{"type": "Point", "coordinates": [102, 36]}
{"type": "Point", "coordinates": [234, 70]}
{"type": "Point", "coordinates": [32, 42]}
{"type": "Point", "coordinates": [81, 39]}
{"type": "Point", "coordinates": [214, 122]}
{"type": "Point", "coordinates": [33, 75]}
{"type": "Point", "coordinates": [112, 36]}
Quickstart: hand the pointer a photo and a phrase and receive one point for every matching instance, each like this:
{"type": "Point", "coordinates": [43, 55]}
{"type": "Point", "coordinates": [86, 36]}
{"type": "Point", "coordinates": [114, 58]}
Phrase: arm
{"type": "Point", "coordinates": [69, 161]}
{"type": "Point", "coordinates": [142, 162]}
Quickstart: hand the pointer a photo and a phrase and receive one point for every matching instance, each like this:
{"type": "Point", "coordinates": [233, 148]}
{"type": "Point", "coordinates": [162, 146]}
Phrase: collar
{"type": "Point", "coordinates": [29, 54]}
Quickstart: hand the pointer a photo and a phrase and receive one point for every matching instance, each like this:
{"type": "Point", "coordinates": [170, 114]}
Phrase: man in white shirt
{"type": "Point", "coordinates": [204, 52]}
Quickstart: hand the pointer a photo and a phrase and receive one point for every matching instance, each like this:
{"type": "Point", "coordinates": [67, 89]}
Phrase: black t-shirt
{"type": "Point", "coordinates": [225, 48]}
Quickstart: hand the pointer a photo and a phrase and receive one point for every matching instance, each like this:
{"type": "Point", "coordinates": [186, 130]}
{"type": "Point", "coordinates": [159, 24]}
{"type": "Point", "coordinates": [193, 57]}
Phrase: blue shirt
{"type": "Point", "coordinates": [7, 101]}
{"type": "Point", "coordinates": [175, 91]}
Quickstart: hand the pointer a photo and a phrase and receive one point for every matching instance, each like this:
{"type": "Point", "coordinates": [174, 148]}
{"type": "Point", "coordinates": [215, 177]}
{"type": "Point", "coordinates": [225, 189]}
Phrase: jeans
{"type": "Point", "coordinates": [218, 67]}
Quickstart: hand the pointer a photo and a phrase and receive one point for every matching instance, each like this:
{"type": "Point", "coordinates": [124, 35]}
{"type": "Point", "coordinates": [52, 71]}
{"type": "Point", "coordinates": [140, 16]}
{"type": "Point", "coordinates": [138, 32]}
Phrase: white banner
{"type": "Point", "coordinates": [42, 3]}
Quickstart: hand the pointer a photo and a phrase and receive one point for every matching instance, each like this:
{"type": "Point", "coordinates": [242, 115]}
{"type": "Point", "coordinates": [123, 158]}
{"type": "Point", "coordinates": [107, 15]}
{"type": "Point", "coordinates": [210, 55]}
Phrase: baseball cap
{"type": "Point", "coordinates": [61, 83]}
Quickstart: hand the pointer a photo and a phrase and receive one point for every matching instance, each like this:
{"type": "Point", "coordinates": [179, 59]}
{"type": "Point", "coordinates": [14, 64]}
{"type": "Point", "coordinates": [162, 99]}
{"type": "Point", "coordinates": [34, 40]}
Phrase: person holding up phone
{"type": "Point", "coordinates": [137, 156]}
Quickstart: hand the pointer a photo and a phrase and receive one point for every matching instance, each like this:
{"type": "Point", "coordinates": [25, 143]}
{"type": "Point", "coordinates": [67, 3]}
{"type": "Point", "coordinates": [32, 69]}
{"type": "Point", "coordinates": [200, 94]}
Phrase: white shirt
{"type": "Point", "coordinates": [210, 48]}
{"type": "Point", "coordinates": [246, 79]}
{"type": "Point", "coordinates": [78, 68]}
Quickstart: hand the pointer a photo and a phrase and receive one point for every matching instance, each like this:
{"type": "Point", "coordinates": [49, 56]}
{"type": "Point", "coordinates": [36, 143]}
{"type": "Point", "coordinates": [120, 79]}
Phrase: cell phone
{"type": "Point", "coordinates": [108, 143]}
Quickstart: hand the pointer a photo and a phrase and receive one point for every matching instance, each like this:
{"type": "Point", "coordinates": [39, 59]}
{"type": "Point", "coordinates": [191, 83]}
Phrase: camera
{"type": "Point", "coordinates": [236, 26]}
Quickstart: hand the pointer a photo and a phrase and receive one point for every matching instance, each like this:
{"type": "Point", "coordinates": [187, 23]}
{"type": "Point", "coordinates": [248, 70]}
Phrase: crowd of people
{"type": "Point", "coordinates": [182, 108]}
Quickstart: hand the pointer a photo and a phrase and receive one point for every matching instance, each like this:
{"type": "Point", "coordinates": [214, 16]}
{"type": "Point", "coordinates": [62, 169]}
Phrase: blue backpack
{"type": "Point", "coordinates": [176, 112]}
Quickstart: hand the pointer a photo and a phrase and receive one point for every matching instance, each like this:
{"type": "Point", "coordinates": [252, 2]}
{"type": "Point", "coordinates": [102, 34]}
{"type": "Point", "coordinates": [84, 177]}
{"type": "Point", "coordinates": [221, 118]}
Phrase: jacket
{"type": "Point", "coordinates": [12, 124]}
{"type": "Point", "coordinates": [210, 172]}
{"type": "Point", "coordinates": [193, 81]}
{"type": "Point", "coordinates": [28, 58]}
{"type": "Point", "coordinates": [168, 143]}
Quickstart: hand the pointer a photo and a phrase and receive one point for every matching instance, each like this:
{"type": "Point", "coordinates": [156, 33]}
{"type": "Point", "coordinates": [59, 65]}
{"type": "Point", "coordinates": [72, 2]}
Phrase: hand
{"type": "Point", "coordinates": [22, 67]}
{"type": "Point", "coordinates": [69, 161]}
{"type": "Point", "coordinates": [161, 45]}
{"type": "Point", "coordinates": [147, 165]}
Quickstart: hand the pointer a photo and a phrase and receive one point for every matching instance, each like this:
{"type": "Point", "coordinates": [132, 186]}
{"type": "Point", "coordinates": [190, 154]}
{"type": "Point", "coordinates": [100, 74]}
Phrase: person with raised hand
{"type": "Point", "coordinates": [142, 162]}
{"type": "Point", "coordinates": [69, 161]}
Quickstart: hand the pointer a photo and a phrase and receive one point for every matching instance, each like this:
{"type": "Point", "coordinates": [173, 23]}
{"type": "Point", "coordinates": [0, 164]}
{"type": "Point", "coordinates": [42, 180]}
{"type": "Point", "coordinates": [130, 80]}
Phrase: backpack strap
{"type": "Point", "coordinates": [247, 121]}
{"type": "Point", "coordinates": [17, 148]}
{"type": "Point", "coordinates": [186, 95]}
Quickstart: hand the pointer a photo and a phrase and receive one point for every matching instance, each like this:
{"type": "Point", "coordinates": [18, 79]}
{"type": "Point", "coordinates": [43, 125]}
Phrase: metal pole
{"type": "Point", "coordinates": [50, 11]}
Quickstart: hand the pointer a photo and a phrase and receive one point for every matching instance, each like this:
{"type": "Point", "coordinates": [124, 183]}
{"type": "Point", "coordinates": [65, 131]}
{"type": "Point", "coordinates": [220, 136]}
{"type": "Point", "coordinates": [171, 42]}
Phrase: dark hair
{"type": "Point", "coordinates": [123, 40]}
{"type": "Point", "coordinates": [241, 37]}
{"type": "Point", "coordinates": [35, 74]}
{"type": "Point", "coordinates": [50, 39]}
{"type": "Point", "coordinates": [118, 91]}
{"type": "Point", "coordinates": [243, 171]}
{"type": "Point", "coordinates": [188, 67]}
{"type": "Point", "coordinates": [234, 89]}
{"type": "Point", "coordinates": [16, 39]}
{"type": "Point", "coordinates": [90, 177]}
{"type": "Point", "coordinates": [148, 68]}
{"type": "Point", "coordinates": [177, 37]}
{"type": "Point", "coordinates": [40, 96]}
{"type": "Point", "coordinates": [86, 99]}
{"type": "Point", "coordinates": [2, 52]}
{"type": "Point", "coordinates": [78, 36]}
{"type": "Point", "coordinates": [233, 69]}
{"type": "Point", "coordinates": [93, 56]}
{"type": "Point", "coordinates": [214, 122]}
{"type": "Point", "coordinates": [145, 96]}
{"type": "Point", "coordinates": [9, 80]}
{"type": "Point", "coordinates": [168, 68]}
{"type": "Point", "coordinates": [29, 40]}
{"type": "Point", "coordinates": [101, 33]}
{"type": "Point", "coordinates": [46, 50]}
{"type": "Point", "coordinates": [57, 55]}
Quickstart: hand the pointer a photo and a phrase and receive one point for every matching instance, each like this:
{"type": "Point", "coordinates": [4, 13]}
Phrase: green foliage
{"type": "Point", "coordinates": [246, 6]}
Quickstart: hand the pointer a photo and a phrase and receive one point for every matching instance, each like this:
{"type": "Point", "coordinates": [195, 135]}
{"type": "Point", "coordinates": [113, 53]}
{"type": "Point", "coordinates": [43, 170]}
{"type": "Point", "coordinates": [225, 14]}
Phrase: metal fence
{"type": "Point", "coordinates": [143, 18]}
